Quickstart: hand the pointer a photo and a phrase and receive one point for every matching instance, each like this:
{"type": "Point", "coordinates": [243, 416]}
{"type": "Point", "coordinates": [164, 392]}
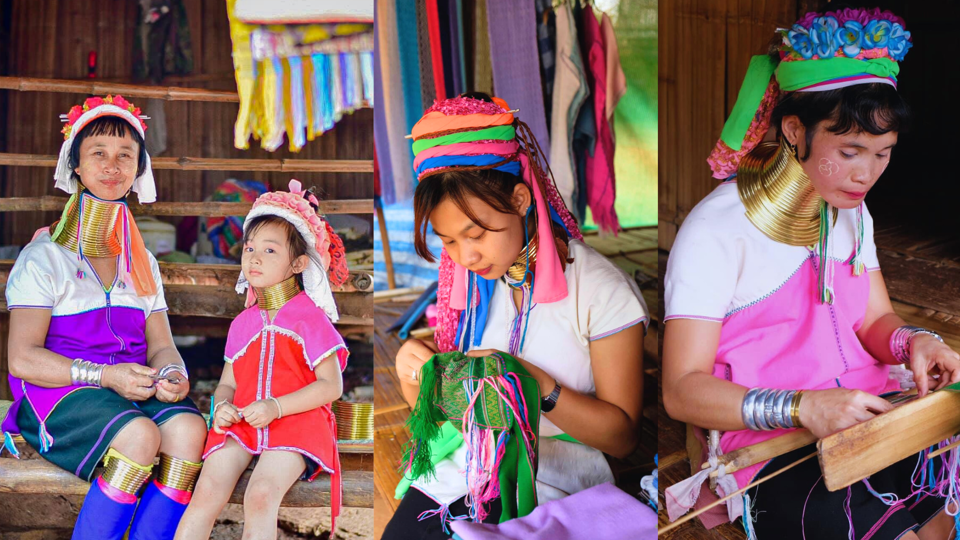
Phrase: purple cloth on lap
{"type": "Point", "coordinates": [599, 513]}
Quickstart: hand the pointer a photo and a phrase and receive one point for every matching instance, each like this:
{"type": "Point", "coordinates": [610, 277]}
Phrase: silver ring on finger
{"type": "Point", "coordinates": [414, 375]}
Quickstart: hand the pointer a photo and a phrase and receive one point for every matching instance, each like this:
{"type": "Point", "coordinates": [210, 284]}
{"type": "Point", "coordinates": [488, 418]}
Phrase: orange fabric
{"type": "Point", "coordinates": [436, 122]}
{"type": "Point", "coordinates": [140, 270]}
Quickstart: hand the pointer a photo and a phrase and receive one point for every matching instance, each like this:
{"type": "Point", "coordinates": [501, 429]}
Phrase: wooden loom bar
{"type": "Point", "coordinates": [168, 93]}
{"type": "Point", "coordinates": [760, 452]}
{"type": "Point", "coordinates": [51, 203]}
{"type": "Point", "coordinates": [217, 164]}
{"type": "Point", "coordinates": [857, 452]}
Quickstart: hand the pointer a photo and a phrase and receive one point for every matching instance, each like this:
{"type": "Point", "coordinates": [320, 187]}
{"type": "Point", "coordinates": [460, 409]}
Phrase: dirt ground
{"type": "Point", "coordinates": [49, 517]}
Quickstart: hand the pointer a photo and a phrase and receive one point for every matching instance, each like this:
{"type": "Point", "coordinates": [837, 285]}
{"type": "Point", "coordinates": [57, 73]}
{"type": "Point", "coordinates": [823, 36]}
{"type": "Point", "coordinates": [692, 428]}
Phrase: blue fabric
{"type": "Point", "coordinates": [408, 268]}
{"type": "Point", "coordinates": [157, 516]}
{"type": "Point", "coordinates": [409, 61]}
{"type": "Point", "coordinates": [381, 141]}
{"type": "Point", "coordinates": [102, 518]}
{"type": "Point", "coordinates": [483, 160]}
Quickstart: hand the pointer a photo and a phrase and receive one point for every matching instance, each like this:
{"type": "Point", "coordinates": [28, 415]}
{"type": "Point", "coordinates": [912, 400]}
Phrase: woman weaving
{"type": "Point", "coordinates": [778, 316]}
{"type": "Point", "coordinates": [516, 277]}
{"type": "Point", "coordinates": [93, 367]}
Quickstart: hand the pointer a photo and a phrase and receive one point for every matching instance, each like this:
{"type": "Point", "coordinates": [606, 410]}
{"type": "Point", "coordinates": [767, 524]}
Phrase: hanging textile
{"type": "Point", "coordinates": [394, 118]}
{"type": "Point", "coordinates": [408, 48]}
{"type": "Point", "coordinates": [547, 45]}
{"type": "Point", "coordinates": [569, 92]}
{"type": "Point", "coordinates": [616, 78]}
{"type": "Point", "coordinates": [428, 89]}
{"type": "Point", "coordinates": [162, 41]}
{"type": "Point", "coordinates": [495, 403]}
{"type": "Point", "coordinates": [381, 137]}
{"type": "Point", "coordinates": [601, 184]}
{"type": "Point", "coordinates": [298, 80]}
{"type": "Point", "coordinates": [516, 64]}
{"type": "Point", "coordinates": [436, 48]}
{"type": "Point", "coordinates": [482, 70]}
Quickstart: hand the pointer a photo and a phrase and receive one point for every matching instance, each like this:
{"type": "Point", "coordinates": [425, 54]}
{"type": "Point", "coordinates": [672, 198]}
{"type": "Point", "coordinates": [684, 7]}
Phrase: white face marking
{"type": "Point", "coordinates": [828, 168]}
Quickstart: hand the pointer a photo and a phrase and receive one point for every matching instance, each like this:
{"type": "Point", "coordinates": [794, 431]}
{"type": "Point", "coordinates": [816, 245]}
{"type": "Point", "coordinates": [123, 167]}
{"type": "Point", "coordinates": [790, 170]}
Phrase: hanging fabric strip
{"type": "Point", "coordinates": [515, 59]}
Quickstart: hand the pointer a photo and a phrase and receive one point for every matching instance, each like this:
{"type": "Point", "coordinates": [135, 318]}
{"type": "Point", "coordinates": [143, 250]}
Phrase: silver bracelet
{"type": "Point", "coordinates": [902, 339]}
{"type": "Point", "coordinates": [86, 373]}
{"type": "Point", "coordinates": [766, 409]}
{"type": "Point", "coordinates": [166, 370]}
{"type": "Point", "coordinates": [279, 408]}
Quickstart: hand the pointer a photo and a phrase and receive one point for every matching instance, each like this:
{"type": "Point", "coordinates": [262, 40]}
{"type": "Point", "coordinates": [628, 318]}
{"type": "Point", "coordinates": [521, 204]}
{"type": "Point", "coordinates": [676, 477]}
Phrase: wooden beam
{"type": "Point", "coordinates": [51, 203]}
{"type": "Point", "coordinates": [857, 452]}
{"type": "Point", "coordinates": [100, 88]}
{"type": "Point", "coordinates": [216, 275]}
{"type": "Point", "coordinates": [216, 164]}
{"type": "Point", "coordinates": [760, 452]}
{"type": "Point", "coordinates": [41, 477]}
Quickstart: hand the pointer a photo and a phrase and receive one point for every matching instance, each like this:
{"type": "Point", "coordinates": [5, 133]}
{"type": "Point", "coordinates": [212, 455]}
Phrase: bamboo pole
{"type": "Point", "coordinates": [217, 164]}
{"type": "Point", "coordinates": [51, 203]}
{"type": "Point", "coordinates": [168, 93]}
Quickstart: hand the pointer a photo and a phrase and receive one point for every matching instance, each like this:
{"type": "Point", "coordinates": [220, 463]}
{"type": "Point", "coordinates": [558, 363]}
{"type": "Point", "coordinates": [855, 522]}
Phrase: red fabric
{"type": "Point", "coordinates": [376, 172]}
{"type": "Point", "coordinates": [311, 433]}
{"type": "Point", "coordinates": [436, 48]}
{"type": "Point", "coordinates": [601, 183]}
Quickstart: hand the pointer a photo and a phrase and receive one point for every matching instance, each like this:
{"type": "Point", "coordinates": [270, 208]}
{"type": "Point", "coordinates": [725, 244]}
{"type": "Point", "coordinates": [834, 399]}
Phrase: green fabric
{"type": "Point", "coordinates": [450, 439]}
{"type": "Point", "coordinates": [496, 133]}
{"type": "Point", "coordinates": [63, 215]}
{"type": "Point", "coordinates": [754, 85]}
{"type": "Point", "coordinates": [443, 397]}
{"type": "Point", "coordinates": [792, 76]}
{"type": "Point", "coordinates": [565, 437]}
{"type": "Point", "coordinates": [801, 74]}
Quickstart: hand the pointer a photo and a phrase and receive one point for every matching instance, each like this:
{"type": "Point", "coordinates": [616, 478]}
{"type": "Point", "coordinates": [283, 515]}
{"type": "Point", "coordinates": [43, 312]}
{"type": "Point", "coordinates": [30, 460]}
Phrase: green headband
{"type": "Point", "coordinates": [496, 133]}
{"type": "Point", "coordinates": [792, 76]}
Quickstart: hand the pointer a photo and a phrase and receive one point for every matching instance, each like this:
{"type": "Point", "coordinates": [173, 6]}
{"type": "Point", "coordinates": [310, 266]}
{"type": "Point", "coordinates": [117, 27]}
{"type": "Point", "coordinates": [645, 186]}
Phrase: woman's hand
{"type": "Point", "coordinates": [929, 357]}
{"type": "Point", "coordinates": [225, 416]}
{"type": "Point", "coordinates": [260, 413]}
{"type": "Point", "coordinates": [544, 379]}
{"type": "Point", "coordinates": [168, 392]}
{"type": "Point", "coordinates": [411, 357]}
{"type": "Point", "coordinates": [132, 381]}
{"type": "Point", "coordinates": [825, 412]}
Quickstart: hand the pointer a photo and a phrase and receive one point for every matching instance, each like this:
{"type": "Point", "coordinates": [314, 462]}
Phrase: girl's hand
{"type": "Point", "coordinates": [132, 381]}
{"type": "Point", "coordinates": [225, 416]}
{"type": "Point", "coordinates": [544, 379]}
{"type": "Point", "coordinates": [260, 413]}
{"type": "Point", "coordinates": [411, 357]}
{"type": "Point", "coordinates": [929, 357]}
{"type": "Point", "coordinates": [168, 392]}
{"type": "Point", "coordinates": [825, 412]}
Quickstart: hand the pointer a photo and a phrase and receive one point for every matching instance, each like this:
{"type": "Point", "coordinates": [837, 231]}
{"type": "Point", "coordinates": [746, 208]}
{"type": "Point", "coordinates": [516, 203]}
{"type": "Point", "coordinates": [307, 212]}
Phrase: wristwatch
{"type": "Point", "coordinates": [548, 403]}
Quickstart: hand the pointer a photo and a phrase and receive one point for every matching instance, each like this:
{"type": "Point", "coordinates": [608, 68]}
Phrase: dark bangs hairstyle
{"type": "Point", "coordinates": [107, 125]}
{"type": "Point", "coordinates": [874, 108]}
{"type": "Point", "coordinates": [295, 242]}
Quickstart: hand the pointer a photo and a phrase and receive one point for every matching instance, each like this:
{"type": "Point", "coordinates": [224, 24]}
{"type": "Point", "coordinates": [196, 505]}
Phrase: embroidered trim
{"type": "Point", "coordinates": [642, 319]}
{"type": "Point", "coordinates": [810, 255]}
{"type": "Point", "coordinates": [696, 317]}
{"type": "Point", "coordinates": [315, 363]}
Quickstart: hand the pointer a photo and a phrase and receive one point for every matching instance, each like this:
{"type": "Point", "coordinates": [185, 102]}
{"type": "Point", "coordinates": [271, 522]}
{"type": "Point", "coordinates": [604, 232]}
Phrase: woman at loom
{"type": "Point", "coordinates": [778, 316]}
{"type": "Point", "coordinates": [536, 291]}
{"type": "Point", "coordinates": [94, 371]}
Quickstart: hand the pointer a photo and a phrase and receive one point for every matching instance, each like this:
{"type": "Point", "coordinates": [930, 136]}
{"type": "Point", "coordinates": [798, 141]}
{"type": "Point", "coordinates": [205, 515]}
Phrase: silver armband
{"type": "Point", "coordinates": [765, 409]}
{"type": "Point", "coordinates": [86, 373]}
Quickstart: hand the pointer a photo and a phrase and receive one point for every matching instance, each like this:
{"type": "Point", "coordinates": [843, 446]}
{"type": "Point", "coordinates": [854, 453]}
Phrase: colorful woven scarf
{"type": "Point", "coordinates": [467, 133]}
{"type": "Point", "coordinates": [495, 403]}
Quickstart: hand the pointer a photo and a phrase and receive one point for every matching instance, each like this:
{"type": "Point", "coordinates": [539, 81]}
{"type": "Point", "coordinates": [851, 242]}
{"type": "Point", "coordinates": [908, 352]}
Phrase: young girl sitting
{"type": "Point", "coordinates": [274, 397]}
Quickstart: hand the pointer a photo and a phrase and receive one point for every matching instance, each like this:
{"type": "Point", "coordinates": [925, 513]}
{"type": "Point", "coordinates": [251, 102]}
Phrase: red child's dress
{"type": "Point", "coordinates": [275, 358]}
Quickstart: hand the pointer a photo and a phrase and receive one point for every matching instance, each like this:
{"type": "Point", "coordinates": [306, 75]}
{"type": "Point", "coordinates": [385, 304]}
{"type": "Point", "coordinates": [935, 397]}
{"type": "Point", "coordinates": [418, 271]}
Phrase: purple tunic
{"type": "Point", "coordinates": [102, 323]}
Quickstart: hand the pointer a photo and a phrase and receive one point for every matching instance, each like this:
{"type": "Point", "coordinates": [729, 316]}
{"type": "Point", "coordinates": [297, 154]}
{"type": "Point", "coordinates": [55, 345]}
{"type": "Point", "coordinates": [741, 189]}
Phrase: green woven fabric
{"type": "Point", "coordinates": [496, 133]}
{"type": "Point", "coordinates": [443, 396]}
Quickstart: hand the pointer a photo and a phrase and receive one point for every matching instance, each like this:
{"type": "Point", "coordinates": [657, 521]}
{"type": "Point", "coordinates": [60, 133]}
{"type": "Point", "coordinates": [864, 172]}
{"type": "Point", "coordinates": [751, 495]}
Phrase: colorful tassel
{"type": "Point", "coordinates": [824, 250]}
{"type": "Point", "coordinates": [46, 440]}
{"type": "Point", "coordinates": [10, 446]}
{"type": "Point", "coordinates": [857, 261]}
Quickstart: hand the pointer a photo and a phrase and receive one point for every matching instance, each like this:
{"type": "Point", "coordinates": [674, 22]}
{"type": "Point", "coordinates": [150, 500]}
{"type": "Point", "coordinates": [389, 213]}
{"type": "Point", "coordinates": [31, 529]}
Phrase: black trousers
{"type": "Point", "coordinates": [405, 524]}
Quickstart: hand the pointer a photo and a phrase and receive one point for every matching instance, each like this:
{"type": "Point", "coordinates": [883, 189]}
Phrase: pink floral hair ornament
{"type": "Point", "coordinates": [328, 262]}
{"type": "Point", "coordinates": [850, 47]}
{"type": "Point", "coordinates": [79, 117]}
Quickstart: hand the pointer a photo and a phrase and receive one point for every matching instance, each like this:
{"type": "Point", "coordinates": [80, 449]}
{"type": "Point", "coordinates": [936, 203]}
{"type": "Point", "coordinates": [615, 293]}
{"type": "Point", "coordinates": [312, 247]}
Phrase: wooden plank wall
{"type": "Point", "coordinates": [52, 38]}
{"type": "Point", "coordinates": [705, 47]}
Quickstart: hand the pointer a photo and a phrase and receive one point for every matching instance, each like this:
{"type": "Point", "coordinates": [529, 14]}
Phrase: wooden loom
{"type": "Point", "coordinates": [849, 456]}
